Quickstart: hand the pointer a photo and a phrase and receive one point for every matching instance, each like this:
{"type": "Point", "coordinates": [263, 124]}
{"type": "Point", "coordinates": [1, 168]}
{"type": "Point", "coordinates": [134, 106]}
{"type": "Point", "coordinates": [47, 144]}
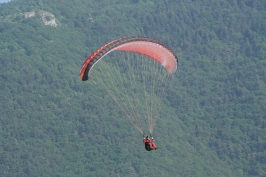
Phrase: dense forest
{"type": "Point", "coordinates": [213, 120]}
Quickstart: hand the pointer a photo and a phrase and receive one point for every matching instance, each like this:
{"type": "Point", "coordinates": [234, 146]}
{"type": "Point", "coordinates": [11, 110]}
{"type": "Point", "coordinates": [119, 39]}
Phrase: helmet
{"type": "Point", "coordinates": [147, 137]}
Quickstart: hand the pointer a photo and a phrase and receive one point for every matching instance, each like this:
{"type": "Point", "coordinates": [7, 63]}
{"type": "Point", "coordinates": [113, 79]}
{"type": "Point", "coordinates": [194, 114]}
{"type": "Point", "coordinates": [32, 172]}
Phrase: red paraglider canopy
{"type": "Point", "coordinates": [142, 45]}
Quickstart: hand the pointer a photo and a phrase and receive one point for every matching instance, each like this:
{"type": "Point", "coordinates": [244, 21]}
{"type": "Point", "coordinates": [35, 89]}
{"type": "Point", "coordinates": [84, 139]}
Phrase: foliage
{"type": "Point", "coordinates": [52, 124]}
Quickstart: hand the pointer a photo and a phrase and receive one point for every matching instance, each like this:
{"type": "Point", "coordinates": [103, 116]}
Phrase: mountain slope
{"type": "Point", "coordinates": [52, 124]}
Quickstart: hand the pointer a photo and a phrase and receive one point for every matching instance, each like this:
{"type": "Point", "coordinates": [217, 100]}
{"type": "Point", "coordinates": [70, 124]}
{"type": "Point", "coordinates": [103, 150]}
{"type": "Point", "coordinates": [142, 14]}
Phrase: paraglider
{"type": "Point", "coordinates": [136, 79]}
{"type": "Point", "coordinates": [142, 45]}
{"type": "Point", "coordinates": [149, 143]}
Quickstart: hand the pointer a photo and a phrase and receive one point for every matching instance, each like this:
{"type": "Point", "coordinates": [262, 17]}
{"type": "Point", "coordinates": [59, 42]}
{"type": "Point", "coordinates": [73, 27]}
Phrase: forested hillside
{"type": "Point", "coordinates": [214, 118]}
